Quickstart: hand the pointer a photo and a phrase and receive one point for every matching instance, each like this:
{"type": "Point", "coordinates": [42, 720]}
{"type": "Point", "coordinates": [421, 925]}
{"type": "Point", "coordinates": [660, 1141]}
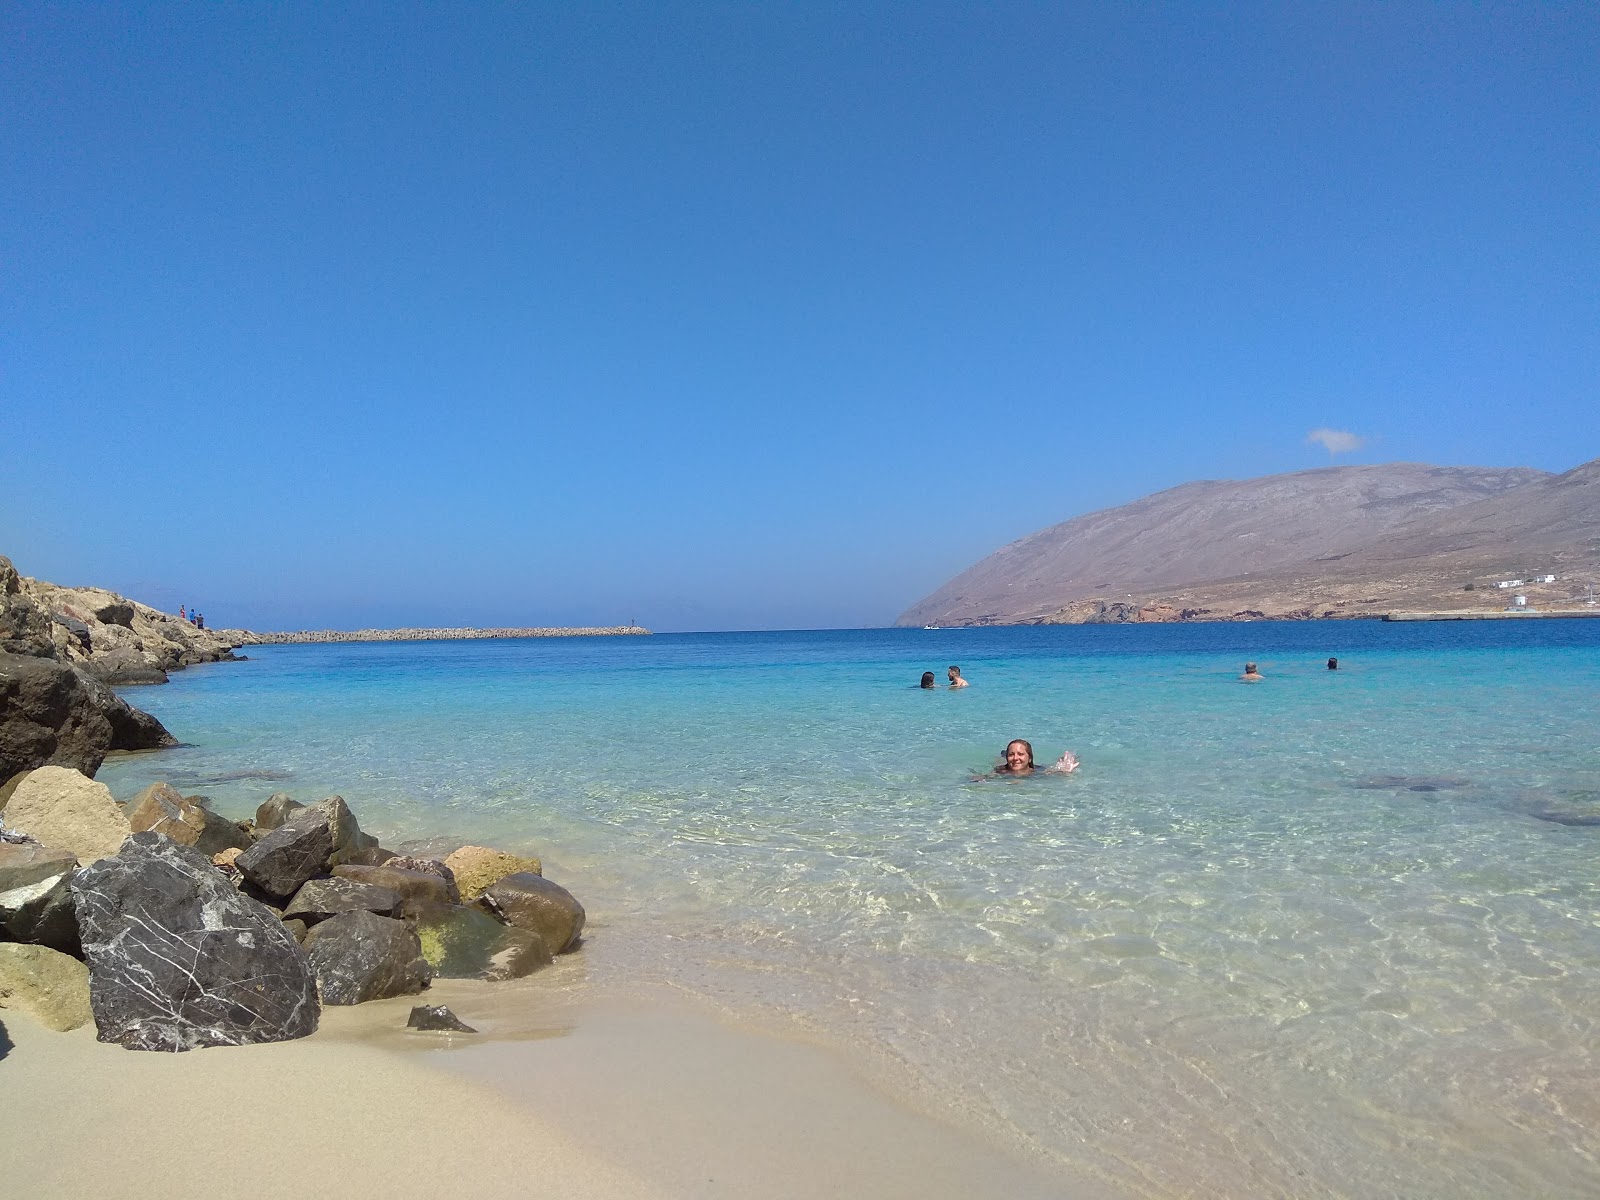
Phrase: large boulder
{"type": "Point", "coordinates": [35, 899]}
{"type": "Point", "coordinates": [415, 887]}
{"type": "Point", "coordinates": [66, 810]}
{"type": "Point", "coordinates": [476, 867]}
{"type": "Point", "coordinates": [160, 808]}
{"type": "Point", "coordinates": [532, 902]}
{"type": "Point", "coordinates": [321, 899]}
{"type": "Point", "coordinates": [54, 715]}
{"type": "Point", "coordinates": [50, 986]}
{"type": "Point", "coordinates": [282, 861]}
{"type": "Point", "coordinates": [360, 956]}
{"type": "Point", "coordinates": [464, 943]}
{"type": "Point", "coordinates": [178, 959]}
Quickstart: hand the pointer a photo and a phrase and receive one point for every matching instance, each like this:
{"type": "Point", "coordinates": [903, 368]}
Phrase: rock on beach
{"type": "Point", "coordinates": [51, 986]}
{"type": "Point", "coordinates": [360, 956]}
{"type": "Point", "coordinates": [65, 810]}
{"type": "Point", "coordinates": [178, 959]}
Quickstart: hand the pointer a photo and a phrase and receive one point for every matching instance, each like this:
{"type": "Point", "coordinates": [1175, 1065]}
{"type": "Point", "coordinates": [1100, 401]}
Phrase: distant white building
{"type": "Point", "coordinates": [1544, 578]}
{"type": "Point", "coordinates": [1509, 583]}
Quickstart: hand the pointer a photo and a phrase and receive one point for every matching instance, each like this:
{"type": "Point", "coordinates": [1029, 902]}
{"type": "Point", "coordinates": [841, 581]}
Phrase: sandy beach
{"type": "Point", "coordinates": [616, 1099]}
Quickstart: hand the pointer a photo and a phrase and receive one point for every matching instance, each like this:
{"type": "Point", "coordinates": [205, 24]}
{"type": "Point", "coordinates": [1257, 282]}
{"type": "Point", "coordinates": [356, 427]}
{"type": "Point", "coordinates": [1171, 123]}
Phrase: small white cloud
{"type": "Point", "coordinates": [1336, 441]}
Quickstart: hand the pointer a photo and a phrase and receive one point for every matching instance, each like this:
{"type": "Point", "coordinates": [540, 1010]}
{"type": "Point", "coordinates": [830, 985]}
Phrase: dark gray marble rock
{"type": "Point", "coordinates": [359, 956]}
{"type": "Point", "coordinates": [290, 855]}
{"type": "Point", "coordinates": [320, 899]}
{"type": "Point", "coordinates": [465, 943]}
{"type": "Point", "coordinates": [178, 959]}
{"type": "Point", "coordinates": [437, 1017]}
{"type": "Point", "coordinates": [532, 902]}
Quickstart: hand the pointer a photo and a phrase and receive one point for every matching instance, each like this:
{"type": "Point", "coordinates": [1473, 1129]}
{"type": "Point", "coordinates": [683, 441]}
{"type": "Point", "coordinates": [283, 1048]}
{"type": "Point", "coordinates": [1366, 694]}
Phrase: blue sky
{"type": "Point", "coordinates": [743, 316]}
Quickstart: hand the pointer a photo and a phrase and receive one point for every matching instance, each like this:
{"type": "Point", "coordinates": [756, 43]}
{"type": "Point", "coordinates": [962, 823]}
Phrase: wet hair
{"type": "Point", "coordinates": [927, 679]}
{"type": "Point", "coordinates": [1249, 668]}
{"type": "Point", "coordinates": [1026, 745]}
{"type": "Point", "coordinates": [953, 667]}
{"type": "Point", "coordinates": [1333, 664]}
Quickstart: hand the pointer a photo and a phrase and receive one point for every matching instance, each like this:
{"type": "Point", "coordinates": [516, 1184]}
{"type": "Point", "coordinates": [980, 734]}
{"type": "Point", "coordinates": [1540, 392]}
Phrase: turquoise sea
{"type": "Point", "coordinates": [1333, 934]}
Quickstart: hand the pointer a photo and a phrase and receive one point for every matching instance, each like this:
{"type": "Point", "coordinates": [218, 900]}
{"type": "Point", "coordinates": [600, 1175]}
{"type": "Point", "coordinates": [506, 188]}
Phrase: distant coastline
{"type": "Point", "coordinates": [245, 637]}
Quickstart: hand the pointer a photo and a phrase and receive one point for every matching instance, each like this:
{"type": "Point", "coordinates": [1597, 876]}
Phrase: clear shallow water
{"type": "Point", "coordinates": [1307, 937]}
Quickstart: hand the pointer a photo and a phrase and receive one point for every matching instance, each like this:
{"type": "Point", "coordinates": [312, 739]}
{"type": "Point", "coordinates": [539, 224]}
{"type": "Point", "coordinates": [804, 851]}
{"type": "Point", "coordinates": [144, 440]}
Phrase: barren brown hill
{"type": "Point", "coordinates": [1342, 541]}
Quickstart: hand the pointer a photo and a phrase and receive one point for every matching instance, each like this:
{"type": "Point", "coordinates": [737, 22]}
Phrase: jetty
{"type": "Point", "coordinates": [245, 637]}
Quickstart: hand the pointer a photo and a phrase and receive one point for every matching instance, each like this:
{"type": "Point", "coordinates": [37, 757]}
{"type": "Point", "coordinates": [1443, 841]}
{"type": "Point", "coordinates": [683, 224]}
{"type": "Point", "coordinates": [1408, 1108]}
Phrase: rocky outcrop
{"type": "Point", "coordinates": [116, 639]}
{"type": "Point", "coordinates": [183, 951]}
{"type": "Point", "coordinates": [49, 986]}
{"type": "Point", "coordinates": [24, 626]}
{"type": "Point", "coordinates": [54, 715]}
{"type": "Point", "coordinates": [179, 959]}
{"type": "Point", "coordinates": [476, 867]}
{"type": "Point", "coordinates": [65, 810]}
{"type": "Point", "coordinates": [359, 956]}
{"type": "Point", "coordinates": [531, 902]}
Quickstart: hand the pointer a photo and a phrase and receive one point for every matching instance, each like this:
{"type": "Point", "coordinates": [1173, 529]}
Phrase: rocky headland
{"type": "Point", "coordinates": [117, 640]}
{"type": "Point", "coordinates": [1332, 543]}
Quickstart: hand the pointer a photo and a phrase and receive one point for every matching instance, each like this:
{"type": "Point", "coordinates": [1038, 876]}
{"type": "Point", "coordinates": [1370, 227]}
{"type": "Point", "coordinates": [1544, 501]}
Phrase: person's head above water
{"type": "Point", "coordinates": [928, 680]}
{"type": "Point", "coordinates": [1018, 756]}
{"type": "Point", "coordinates": [954, 674]}
{"type": "Point", "coordinates": [1250, 672]}
{"type": "Point", "coordinates": [1333, 664]}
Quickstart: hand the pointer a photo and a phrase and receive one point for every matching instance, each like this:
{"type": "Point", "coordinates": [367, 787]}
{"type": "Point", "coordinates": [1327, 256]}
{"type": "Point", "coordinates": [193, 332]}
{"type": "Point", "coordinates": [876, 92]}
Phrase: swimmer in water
{"type": "Point", "coordinates": [927, 680]}
{"type": "Point", "coordinates": [955, 677]}
{"type": "Point", "coordinates": [1251, 675]}
{"type": "Point", "coordinates": [1018, 760]}
{"type": "Point", "coordinates": [1333, 664]}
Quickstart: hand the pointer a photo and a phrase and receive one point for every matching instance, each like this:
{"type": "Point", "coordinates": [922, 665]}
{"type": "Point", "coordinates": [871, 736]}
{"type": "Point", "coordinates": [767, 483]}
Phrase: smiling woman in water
{"type": "Point", "coordinates": [1018, 760]}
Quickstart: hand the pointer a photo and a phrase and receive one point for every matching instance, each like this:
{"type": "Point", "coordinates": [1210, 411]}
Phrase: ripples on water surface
{"type": "Point", "coordinates": [1331, 934]}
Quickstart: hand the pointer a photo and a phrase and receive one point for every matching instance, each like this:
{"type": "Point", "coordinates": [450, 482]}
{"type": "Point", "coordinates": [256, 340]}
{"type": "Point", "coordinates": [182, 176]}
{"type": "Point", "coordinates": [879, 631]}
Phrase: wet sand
{"type": "Point", "coordinates": [619, 1099]}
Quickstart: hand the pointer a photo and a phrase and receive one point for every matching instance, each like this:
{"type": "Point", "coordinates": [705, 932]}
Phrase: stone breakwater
{"type": "Point", "coordinates": [244, 637]}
